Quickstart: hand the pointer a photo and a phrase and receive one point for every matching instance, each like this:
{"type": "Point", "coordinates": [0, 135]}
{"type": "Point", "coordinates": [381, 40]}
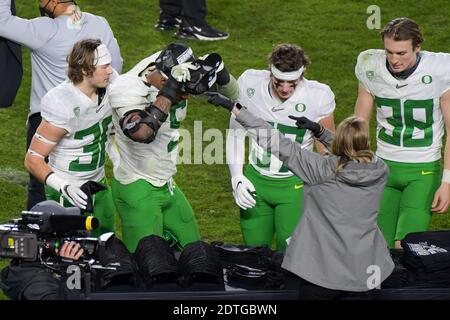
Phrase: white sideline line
{"type": "Point", "coordinates": [14, 176]}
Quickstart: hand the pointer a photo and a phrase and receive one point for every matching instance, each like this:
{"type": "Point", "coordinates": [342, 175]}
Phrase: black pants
{"type": "Point", "coordinates": [192, 11]}
{"type": "Point", "coordinates": [10, 69]}
{"type": "Point", "coordinates": [310, 291]}
{"type": "Point", "coordinates": [32, 281]}
{"type": "Point", "coordinates": [36, 192]}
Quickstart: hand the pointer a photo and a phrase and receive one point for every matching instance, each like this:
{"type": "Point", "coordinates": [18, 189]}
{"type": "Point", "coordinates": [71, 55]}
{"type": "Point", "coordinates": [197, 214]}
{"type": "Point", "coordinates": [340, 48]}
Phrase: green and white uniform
{"type": "Point", "coordinates": [80, 155]}
{"type": "Point", "coordinates": [278, 190]}
{"type": "Point", "coordinates": [410, 127]}
{"type": "Point", "coordinates": [145, 195]}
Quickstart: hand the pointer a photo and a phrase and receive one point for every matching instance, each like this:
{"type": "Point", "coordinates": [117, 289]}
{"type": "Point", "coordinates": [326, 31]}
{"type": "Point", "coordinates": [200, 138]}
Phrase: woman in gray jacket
{"type": "Point", "coordinates": [337, 246]}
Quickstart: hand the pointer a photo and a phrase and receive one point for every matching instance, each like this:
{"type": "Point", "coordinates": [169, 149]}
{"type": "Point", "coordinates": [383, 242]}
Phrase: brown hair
{"type": "Point", "coordinates": [288, 57]}
{"type": "Point", "coordinates": [351, 142]}
{"type": "Point", "coordinates": [401, 29]}
{"type": "Point", "coordinates": [81, 60]}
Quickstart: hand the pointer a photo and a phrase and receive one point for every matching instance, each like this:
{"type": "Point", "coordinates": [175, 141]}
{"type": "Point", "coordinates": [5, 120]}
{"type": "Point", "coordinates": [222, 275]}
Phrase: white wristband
{"type": "Point", "coordinates": [446, 176]}
{"type": "Point", "coordinates": [54, 181]}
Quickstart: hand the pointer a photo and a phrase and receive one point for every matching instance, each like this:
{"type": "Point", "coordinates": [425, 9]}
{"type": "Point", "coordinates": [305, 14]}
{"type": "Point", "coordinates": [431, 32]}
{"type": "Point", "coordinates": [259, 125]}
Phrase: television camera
{"type": "Point", "coordinates": [39, 233]}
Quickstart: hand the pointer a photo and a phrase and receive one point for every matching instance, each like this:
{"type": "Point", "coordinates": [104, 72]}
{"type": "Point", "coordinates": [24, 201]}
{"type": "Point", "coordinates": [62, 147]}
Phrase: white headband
{"type": "Point", "coordinates": [102, 55]}
{"type": "Point", "coordinates": [287, 76]}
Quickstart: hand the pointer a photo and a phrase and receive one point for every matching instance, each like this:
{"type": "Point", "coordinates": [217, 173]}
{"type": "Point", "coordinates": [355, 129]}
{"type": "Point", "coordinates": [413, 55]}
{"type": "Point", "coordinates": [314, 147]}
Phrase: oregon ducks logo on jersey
{"type": "Point", "coordinates": [370, 75]}
{"type": "Point", "coordinates": [300, 107]}
{"type": "Point", "coordinates": [76, 111]}
{"type": "Point", "coordinates": [250, 92]}
{"type": "Point", "coordinates": [427, 79]}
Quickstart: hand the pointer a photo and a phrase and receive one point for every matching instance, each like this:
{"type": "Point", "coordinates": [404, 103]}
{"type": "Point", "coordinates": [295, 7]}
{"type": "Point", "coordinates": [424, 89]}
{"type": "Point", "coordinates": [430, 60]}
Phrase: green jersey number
{"type": "Point", "coordinates": [174, 123]}
{"type": "Point", "coordinates": [97, 148]}
{"type": "Point", "coordinates": [264, 161]}
{"type": "Point", "coordinates": [404, 125]}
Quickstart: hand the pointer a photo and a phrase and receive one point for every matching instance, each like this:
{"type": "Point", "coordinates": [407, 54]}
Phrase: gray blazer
{"type": "Point", "coordinates": [337, 243]}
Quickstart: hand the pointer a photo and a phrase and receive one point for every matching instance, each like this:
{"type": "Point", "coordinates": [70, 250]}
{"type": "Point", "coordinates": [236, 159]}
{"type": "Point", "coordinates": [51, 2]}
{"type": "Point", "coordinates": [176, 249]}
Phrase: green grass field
{"type": "Point", "coordinates": [331, 32]}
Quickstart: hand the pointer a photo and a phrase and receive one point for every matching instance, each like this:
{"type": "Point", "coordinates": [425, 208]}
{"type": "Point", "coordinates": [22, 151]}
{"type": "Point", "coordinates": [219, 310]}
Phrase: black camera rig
{"type": "Point", "coordinates": [40, 232]}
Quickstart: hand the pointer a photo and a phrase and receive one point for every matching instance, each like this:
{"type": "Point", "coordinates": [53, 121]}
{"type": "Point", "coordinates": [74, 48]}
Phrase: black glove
{"type": "Point", "coordinates": [223, 76]}
{"type": "Point", "coordinates": [90, 188]}
{"type": "Point", "coordinates": [217, 99]}
{"type": "Point", "coordinates": [171, 90]}
{"type": "Point", "coordinates": [305, 123]}
{"type": "Point", "coordinates": [204, 76]}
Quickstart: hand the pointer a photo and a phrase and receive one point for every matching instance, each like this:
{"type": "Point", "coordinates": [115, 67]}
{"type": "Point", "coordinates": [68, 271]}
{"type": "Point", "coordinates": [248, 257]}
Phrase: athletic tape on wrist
{"type": "Point", "coordinates": [446, 176]}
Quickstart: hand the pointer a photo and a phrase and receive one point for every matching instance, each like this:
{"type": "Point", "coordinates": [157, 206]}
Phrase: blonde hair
{"type": "Point", "coordinates": [351, 142]}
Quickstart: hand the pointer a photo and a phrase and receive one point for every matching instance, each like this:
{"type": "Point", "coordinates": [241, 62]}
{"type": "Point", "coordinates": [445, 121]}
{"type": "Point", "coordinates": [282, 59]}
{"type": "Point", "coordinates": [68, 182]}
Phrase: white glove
{"type": "Point", "coordinates": [182, 72]}
{"type": "Point", "coordinates": [71, 192]}
{"type": "Point", "coordinates": [242, 188]}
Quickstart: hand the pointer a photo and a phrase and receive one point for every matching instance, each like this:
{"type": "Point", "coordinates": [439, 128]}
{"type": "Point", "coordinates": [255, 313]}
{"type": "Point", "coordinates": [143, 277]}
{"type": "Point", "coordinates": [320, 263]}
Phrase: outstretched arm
{"type": "Point", "coordinates": [307, 165]}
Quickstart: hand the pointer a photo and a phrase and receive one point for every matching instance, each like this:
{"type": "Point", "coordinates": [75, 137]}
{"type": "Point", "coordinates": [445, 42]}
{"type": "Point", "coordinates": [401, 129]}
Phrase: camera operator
{"type": "Point", "coordinates": [23, 280]}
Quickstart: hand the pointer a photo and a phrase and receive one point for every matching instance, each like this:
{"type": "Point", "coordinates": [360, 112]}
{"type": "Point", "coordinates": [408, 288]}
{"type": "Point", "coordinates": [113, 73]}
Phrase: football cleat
{"type": "Point", "coordinates": [170, 23]}
{"type": "Point", "coordinates": [204, 33]}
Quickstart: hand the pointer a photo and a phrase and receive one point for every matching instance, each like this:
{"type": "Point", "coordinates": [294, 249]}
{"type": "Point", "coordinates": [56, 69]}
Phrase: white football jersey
{"type": "Point", "coordinates": [311, 99]}
{"type": "Point", "coordinates": [410, 124]}
{"type": "Point", "coordinates": [80, 155]}
{"type": "Point", "coordinates": [154, 162]}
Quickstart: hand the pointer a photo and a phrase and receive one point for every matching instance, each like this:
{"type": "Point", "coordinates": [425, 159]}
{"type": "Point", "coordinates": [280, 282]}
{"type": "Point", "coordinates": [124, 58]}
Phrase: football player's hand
{"type": "Point", "coordinates": [172, 90]}
{"type": "Point", "coordinates": [242, 192]}
{"type": "Point", "coordinates": [202, 74]}
{"type": "Point", "coordinates": [75, 195]}
{"type": "Point", "coordinates": [441, 200]}
{"type": "Point", "coordinates": [71, 192]}
{"type": "Point", "coordinates": [182, 72]}
{"type": "Point", "coordinates": [217, 99]}
{"type": "Point", "coordinates": [305, 123]}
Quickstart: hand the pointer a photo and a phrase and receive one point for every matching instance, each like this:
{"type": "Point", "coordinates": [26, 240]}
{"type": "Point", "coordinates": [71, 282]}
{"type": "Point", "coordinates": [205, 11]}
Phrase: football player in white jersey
{"type": "Point", "coordinates": [410, 90]}
{"type": "Point", "coordinates": [269, 195]}
{"type": "Point", "coordinates": [74, 133]}
{"type": "Point", "coordinates": [146, 197]}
